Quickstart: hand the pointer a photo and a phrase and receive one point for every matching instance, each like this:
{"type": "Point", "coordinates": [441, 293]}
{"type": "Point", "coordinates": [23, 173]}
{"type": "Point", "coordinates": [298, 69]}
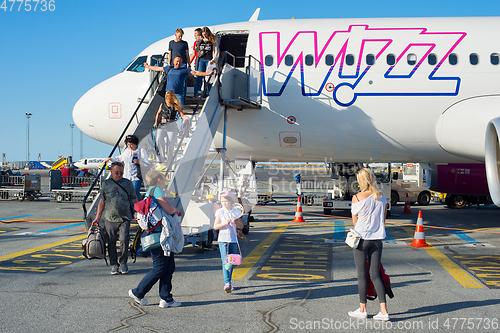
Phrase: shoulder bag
{"type": "Point", "coordinates": [353, 238]}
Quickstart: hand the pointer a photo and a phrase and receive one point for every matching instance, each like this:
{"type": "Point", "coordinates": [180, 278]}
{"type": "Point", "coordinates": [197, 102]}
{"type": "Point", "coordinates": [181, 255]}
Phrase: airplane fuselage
{"type": "Point", "coordinates": [345, 90]}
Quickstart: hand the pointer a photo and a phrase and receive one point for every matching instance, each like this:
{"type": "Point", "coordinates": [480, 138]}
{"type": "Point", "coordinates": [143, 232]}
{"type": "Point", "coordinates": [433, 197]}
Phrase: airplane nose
{"type": "Point", "coordinates": [83, 115]}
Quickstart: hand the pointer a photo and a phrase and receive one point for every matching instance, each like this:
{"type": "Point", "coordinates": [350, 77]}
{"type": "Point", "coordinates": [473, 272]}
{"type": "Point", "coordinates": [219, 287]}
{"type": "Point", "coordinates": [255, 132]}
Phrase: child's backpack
{"type": "Point", "coordinates": [94, 246]}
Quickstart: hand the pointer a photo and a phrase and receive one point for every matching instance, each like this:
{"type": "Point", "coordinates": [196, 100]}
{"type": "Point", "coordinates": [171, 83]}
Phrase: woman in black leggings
{"type": "Point", "coordinates": [368, 216]}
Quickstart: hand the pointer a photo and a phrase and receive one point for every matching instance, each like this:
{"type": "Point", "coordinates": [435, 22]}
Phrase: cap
{"type": "Point", "coordinates": [227, 193]}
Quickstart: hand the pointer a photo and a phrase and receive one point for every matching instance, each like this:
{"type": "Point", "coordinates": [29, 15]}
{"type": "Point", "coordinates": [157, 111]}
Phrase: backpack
{"type": "Point", "coordinates": [371, 294]}
{"type": "Point", "coordinates": [94, 246]}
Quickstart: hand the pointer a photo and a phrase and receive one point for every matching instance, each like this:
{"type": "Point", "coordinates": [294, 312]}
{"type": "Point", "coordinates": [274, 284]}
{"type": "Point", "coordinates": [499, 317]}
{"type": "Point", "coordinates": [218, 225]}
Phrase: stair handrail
{"type": "Point", "coordinates": [119, 140]}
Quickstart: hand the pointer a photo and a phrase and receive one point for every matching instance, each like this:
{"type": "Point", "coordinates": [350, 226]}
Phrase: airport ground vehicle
{"type": "Point", "coordinates": [409, 179]}
{"type": "Point", "coordinates": [460, 184]}
{"type": "Point", "coordinates": [345, 184]}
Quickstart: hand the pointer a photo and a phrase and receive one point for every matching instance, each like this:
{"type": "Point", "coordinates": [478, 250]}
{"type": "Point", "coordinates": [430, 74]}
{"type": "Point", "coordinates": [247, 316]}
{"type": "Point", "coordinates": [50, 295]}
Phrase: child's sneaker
{"type": "Point", "coordinates": [227, 287]}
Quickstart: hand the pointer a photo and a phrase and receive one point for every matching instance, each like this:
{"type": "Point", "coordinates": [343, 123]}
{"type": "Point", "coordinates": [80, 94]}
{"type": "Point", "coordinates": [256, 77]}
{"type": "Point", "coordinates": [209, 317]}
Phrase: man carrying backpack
{"type": "Point", "coordinates": [117, 199]}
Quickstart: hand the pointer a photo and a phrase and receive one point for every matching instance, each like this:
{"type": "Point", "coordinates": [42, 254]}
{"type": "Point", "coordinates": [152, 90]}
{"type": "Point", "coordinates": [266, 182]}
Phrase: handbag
{"type": "Point", "coordinates": [352, 238]}
{"type": "Point", "coordinates": [234, 259]}
{"type": "Point", "coordinates": [151, 241]}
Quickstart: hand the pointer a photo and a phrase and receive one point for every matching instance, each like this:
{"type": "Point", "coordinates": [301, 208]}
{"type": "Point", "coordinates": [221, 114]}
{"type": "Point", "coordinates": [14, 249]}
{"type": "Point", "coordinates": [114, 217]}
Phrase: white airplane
{"type": "Point", "coordinates": [345, 90]}
{"type": "Point", "coordinates": [89, 163]}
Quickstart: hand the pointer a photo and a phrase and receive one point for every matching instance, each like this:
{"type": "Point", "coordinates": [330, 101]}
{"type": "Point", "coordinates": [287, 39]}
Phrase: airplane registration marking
{"type": "Point", "coordinates": [383, 38]}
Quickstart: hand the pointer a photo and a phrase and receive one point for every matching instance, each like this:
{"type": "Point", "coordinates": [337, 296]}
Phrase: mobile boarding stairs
{"type": "Point", "coordinates": [233, 88]}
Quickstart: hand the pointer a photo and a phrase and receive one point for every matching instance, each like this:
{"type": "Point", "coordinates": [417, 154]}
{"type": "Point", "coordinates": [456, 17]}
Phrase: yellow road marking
{"type": "Point", "coordinates": [254, 256]}
{"type": "Point", "coordinates": [456, 271]}
{"type": "Point", "coordinates": [40, 248]}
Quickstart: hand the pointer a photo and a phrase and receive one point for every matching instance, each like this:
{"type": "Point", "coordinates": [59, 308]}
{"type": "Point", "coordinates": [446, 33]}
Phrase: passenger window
{"type": "Point", "coordinates": [309, 60]}
{"type": "Point", "coordinates": [269, 60]}
{"type": "Point", "coordinates": [495, 59]}
{"type": "Point", "coordinates": [453, 59]}
{"type": "Point", "coordinates": [391, 59]}
{"type": "Point", "coordinates": [349, 60]}
{"type": "Point", "coordinates": [474, 59]}
{"type": "Point", "coordinates": [137, 65]}
{"type": "Point", "coordinates": [432, 59]}
{"type": "Point", "coordinates": [329, 59]}
{"type": "Point", "coordinates": [289, 60]}
{"type": "Point", "coordinates": [412, 59]}
{"type": "Point", "coordinates": [156, 60]}
{"type": "Point", "coordinates": [370, 59]}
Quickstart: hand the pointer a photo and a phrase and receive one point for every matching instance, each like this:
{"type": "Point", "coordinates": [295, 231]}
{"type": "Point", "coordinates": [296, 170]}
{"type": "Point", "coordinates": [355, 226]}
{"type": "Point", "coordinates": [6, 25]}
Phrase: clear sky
{"type": "Point", "coordinates": [51, 58]}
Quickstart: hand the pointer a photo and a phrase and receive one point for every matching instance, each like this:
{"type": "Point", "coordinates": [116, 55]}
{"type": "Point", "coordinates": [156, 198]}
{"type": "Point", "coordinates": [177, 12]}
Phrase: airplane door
{"type": "Point", "coordinates": [234, 42]}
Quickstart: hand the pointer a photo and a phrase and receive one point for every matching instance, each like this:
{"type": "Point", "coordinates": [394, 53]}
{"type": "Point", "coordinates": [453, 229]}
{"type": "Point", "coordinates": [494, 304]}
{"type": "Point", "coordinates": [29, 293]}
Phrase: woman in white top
{"type": "Point", "coordinates": [227, 219]}
{"type": "Point", "coordinates": [132, 157]}
{"type": "Point", "coordinates": [368, 216]}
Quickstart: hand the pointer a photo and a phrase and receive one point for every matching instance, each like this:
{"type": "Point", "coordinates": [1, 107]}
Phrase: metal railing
{"type": "Point", "coordinates": [119, 140]}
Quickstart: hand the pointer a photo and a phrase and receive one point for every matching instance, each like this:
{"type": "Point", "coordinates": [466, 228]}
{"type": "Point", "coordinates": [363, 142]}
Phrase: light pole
{"type": "Point", "coordinates": [28, 115]}
{"type": "Point", "coordinates": [81, 145]}
{"type": "Point", "coordinates": [71, 126]}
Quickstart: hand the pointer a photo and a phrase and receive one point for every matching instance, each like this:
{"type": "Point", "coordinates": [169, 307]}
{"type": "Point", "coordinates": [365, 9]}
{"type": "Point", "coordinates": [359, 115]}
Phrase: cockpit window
{"type": "Point", "coordinates": [137, 65]}
{"type": "Point", "coordinates": [156, 60]}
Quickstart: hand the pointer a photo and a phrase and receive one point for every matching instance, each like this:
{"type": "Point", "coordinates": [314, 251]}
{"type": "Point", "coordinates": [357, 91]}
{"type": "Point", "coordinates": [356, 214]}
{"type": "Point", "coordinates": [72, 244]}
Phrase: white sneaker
{"type": "Point", "coordinates": [357, 314]}
{"type": "Point", "coordinates": [171, 304]}
{"type": "Point", "coordinates": [141, 301]}
{"type": "Point", "coordinates": [380, 316]}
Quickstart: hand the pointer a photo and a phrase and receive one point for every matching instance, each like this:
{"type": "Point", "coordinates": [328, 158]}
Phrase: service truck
{"type": "Point", "coordinates": [345, 184]}
{"type": "Point", "coordinates": [409, 178]}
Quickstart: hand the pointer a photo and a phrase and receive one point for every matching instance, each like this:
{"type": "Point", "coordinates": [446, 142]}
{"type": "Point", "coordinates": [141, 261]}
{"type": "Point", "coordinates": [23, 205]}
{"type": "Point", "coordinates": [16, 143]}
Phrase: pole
{"type": "Point", "coordinates": [81, 145]}
{"type": "Point", "coordinates": [28, 115]}
{"type": "Point", "coordinates": [71, 140]}
{"type": "Point", "coordinates": [223, 153]}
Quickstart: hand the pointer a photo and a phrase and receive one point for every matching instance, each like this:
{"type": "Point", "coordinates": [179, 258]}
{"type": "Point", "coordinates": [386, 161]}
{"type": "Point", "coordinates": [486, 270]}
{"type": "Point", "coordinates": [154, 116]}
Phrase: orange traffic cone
{"type": "Point", "coordinates": [407, 209]}
{"type": "Point", "coordinates": [298, 212]}
{"type": "Point", "coordinates": [419, 238]}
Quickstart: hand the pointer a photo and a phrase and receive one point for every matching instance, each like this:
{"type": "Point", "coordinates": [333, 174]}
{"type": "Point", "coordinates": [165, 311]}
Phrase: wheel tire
{"type": "Point", "coordinates": [456, 201]}
{"type": "Point", "coordinates": [460, 201]}
{"type": "Point", "coordinates": [327, 211]}
{"type": "Point", "coordinates": [394, 198]}
{"type": "Point", "coordinates": [59, 197]}
{"type": "Point", "coordinates": [424, 198]}
{"type": "Point", "coordinates": [20, 197]}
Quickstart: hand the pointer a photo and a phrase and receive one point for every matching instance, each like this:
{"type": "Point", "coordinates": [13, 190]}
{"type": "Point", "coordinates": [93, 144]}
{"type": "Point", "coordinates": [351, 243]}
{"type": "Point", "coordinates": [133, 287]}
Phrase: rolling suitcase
{"type": "Point", "coordinates": [371, 294]}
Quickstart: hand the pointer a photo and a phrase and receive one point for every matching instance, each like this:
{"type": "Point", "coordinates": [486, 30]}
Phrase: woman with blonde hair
{"type": "Point", "coordinates": [166, 124]}
{"type": "Point", "coordinates": [163, 258]}
{"type": "Point", "coordinates": [208, 53]}
{"type": "Point", "coordinates": [368, 216]}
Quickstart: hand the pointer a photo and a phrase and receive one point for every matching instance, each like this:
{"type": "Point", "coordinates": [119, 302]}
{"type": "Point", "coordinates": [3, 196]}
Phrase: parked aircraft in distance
{"type": "Point", "coordinates": [89, 163]}
{"type": "Point", "coordinates": [343, 90]}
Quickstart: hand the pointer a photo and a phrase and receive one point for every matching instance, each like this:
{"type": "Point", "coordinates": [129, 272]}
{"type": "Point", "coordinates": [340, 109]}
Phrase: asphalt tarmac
{"type": "Point", "coordinates": [295, 277]}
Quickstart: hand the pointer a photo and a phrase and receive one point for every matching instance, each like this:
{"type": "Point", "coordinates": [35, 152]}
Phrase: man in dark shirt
{"type": "Point", "coordinates": [180, 48]}
{"type": "Point", "coordinates": [176, 76]}
{"type": "Point", "coordinates": [117, 195]}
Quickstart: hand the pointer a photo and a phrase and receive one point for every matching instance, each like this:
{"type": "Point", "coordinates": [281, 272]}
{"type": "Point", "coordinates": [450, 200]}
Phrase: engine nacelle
{"type": "Point", "coordinates": [492, 158]}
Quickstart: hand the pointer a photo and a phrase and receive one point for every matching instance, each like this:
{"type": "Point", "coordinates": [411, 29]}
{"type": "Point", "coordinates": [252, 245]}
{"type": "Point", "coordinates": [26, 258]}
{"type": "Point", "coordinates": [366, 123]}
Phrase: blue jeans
{"type": "Point", "coordinates": [201, 66]}
{"type": "Point", "coordinates": [137, 186]}
{"type": "Point", "coordinates": [225, 249]}
{"type": "Point", "coordinates": [163, 268]}
{"type": "Point", "coordinates": [180, 97]}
